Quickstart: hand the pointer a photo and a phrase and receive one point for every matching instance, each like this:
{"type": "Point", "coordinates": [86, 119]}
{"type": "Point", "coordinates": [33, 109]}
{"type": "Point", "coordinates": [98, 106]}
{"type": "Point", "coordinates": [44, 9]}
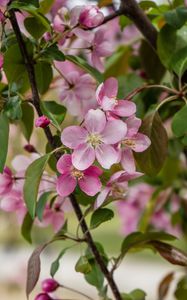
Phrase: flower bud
{"type": "Point", "coordinates": [49, 285]}
{"type": "Point", "coordinates": [30, 148]}
{"type": "Point", "coordinates": [91, 16]}
{"type": "Point", "coordinates": [42, 122]}
{"type": "Point", "coordinates": [43, 296]}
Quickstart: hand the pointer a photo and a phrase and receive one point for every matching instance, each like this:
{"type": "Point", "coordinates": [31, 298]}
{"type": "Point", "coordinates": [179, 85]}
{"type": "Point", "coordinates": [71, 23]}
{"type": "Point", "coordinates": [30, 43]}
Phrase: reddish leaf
{"type": "Point", "coordinates": [164, 285]}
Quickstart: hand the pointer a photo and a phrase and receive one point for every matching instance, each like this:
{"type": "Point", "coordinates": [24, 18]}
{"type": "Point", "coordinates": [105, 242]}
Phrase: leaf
{"type": "Point", "coordinates": [140, 240]}
{"type": "Point", "coordinates": [181, 291]}
{"type": "Point", "coordinates": [27, 121]}
{"type": "Point", "coordinates": [169, 42]}
{"type": "Point", "coordinates": [179, 62]}
{"type": "Point", "coordinates": [44, 76]}
{"type": "Point", "coordinates": [99, 216]}
{"type": "Point", "coordinates": [35, 27]}
{"type": "Point", "coordinates": [33, 268]}
{"type": "Point", "coordinates": [102, 3]}
{"type": "Point", "coordinates": [45, 6]}
{"type": "Point", "coordinates": [56, 264]}
{"type": "Point", "coordinates": [95, 277]}
{"type": "Point", "coordinates": [118, 63]}
{"type": "Point", "coordinates": [53, 53]}
{"type": "Point", "coordinates": [176, 17]}
{"type": "Point", "coordinates": [172, 254]}
{"type": "Point", "coordinates": [26, 228]}
{"type": "Point", "coordinates": [41, 204]}
{"type": "Point", "coordinates": [12, 108]}
{"type": "Point", "coordinates": [152, 160]}
{"type": "Point", "coordinates": [86, 67]}
{"type": "Point", "coordinates": [4, 136]}
{"type": "Point", "coordinates": [34, 3]}
{"type": "Point", "coordinates": [54, 111]}
{"type": "Point", "coordinates": [179, 124]}
{"type": "Point", "coordinates": [138, 294]}
{"type": "Point", "coordinates": [83, 265]}
{"type": "Point", "coordinates": [164, 285]}
{"type": "Point", "coordinates": [32, 181]}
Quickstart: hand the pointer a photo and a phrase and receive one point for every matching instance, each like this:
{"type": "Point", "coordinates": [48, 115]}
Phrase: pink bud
{"type": "Point", "coordinates": [43, 296]}
{"type": "Point", "coordinates": [42, 122]}
{"type": "Point", "coordinates": [30, 148]}
{"type": "Point", "coordinates": [49, 285]}
{"type": "Point", "coordinates": [91, 16]}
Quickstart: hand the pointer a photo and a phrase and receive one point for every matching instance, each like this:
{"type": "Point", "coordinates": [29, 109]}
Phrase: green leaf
{"type": "Point", "coordinates": [95, 277]}
{"type": "Point", "coordinates": [26, 228]}
{"type": "Point", "coordinates": [44, 76]}
{"type": "Point", "coordinates": [179, 124]}
{"type": "Point", "coordinates": [45, 6]}
{"type": "Point", "coordinates": [80, 62]}
{"type": "Point", "coordinates": [27, 121]}
{"type": "Point", "coordinates": [147, 4]}
{"type": "Point", "coordinates": [56, 264]}
{"type": "Point", "coordinates": [35, 27]}
{"type": "Point", "coordinates": [99, 216]}
{"type": "Point", "coordinates": [181, 290]}
{"type": "Point", "coordinates": [179, 62]}
{"type": "Point", "coordinates": [140, 240]}
{"type": "Point", "coordinates": [83, 265]}
{"type": "Point", "coordinates": [152, 160]}
{"type": "Point", "coordinates": [53, 53]}
{"type": "Point", "coordinates": [12, 108]}
{"type": "Point", "coordinates": [134, 295]}
{"type": "Point", "coordinates": [54, 111]}
{"type": "Point", "coordinates": [4, 136]}
{"type": "Point", "coordinates": [33, 176]}
{"type": "Point", "coordinates": [118, 63]}
{"type": "Point", "coordinates": [169, 42]}
{"type": "Point", "coordinates": [20, 3]}
{"type": "Point", "coordinates": [176, 17]}
{"type": "Point", "coordinates": [41, 205]}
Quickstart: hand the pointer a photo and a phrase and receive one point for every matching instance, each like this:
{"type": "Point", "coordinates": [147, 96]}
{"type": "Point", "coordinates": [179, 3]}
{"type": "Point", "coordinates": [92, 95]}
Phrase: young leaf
{"type": "Point", "coordinates": [26, 228]}
{"type": "Point", "coordinates": [27, 121]}
{"type": "Point", "coordinates": [80, 62]}
{"type": "Point", "coordinates": [164, 285]}
{"type": "Point", "coordinates": [179, 124]}
{"type": "Point", "coordinates": [4, 136]}
{"type": "Point", "coordinates": [99, 216]}
{"type": "Point", "coordinates": [54, 111]}
{"type": "Point", "coordinates": [32, 182]}
{"type": "Point", "coordinates": [152, 160]}
{"type": "Point", "coordinates": [56, 264]}
{"type": "Point", "coordinates": [95, 277]}
{"type": "Point", "coordinates": [83, 265]}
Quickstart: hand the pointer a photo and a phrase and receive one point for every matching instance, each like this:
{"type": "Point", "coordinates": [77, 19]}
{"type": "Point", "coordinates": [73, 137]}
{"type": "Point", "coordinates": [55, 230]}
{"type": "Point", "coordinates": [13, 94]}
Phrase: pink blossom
{"type": "Point", "coordinates": [91, 16]}
{"type": "Point", "coordinates": [6, 181]}
{"type": "Point", "coordinates": [66, 20]}
{"type": "Point", "coordinates": [49, 285]}
{"type": "Point", "coordinates": [116, 187]}
{"type": "Point", "coordinates": [134, 141]}
{"type": "Point", "coordinates": [77, 93]}
{"type": "Point", "coordinates": [88, 180]}
{"type": "Point", "coordinates": [94, 140]}
{"type": "Point", "coordinates": [42, 122]}
{"type": "Point", "coordinates": [106, 96]}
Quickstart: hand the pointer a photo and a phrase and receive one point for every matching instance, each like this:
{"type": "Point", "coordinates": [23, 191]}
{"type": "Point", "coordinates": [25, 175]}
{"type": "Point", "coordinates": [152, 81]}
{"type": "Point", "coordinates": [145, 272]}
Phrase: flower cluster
{"type": "Point", "coordinates": [108, 135]}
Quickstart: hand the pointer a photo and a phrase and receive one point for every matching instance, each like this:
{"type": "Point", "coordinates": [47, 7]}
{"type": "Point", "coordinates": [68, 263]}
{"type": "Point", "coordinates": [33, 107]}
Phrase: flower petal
{"type": "Point", "coordinates": [65, 185]}
{"type": "Point", "coordinates": [93, 171]}
{"type": "Point", "coordinates": [95, 121]}
{"type": "Point", "coordinates": [83, 157]}
{"type": "Point", "coordinates": [133, 125]}
{"type": "Point", "coordinates": [127, 161]}
{"type": "Point", "coordinates": [64, 164]}
{"type": "Point", "coordinates": [106, 156]}
{"type": "Point", "coordinates": [114, 132]}
{"type": "Point", "coordinates": [73, 136]}
{"type": "Point", "coordinates": [91, 185]}
{"type": "Point", "coordinates": [101, 197]}
{"type": "Point", "coordinates": [140, 142]}
{"type": "Point", "coordinates": [124, 108]}
{"type": "Point", "coordinates": [110, 88]}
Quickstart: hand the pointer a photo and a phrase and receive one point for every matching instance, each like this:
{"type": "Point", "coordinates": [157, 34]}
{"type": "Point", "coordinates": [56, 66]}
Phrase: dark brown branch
{"type": "Point", "coordinates": [36, 102]}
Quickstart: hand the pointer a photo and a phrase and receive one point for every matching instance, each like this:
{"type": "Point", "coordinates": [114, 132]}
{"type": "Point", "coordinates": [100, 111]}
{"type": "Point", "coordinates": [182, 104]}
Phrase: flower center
{"type": "Point", "coordinates": [94, 139]}
{"type": "Point", "coordinates": [118, 191]}
{"type": "Point", "coordinates": [129, 143]}
{"type": "Point", "coordinates": [77, 174]}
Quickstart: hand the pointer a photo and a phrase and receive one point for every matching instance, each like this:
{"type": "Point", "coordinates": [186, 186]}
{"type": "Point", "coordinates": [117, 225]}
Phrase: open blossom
{"type": "Point", "coordinates": [6, 181]}
{"type": "Point", "coordinates": [106, 96]}
{"type": "Point", "coordinates": [95, 140]}
{"type": "Point", "coordinates": [42, 122]}
{"type": "Point", "coordinates": [88, 180]}
{"type": "Point", "coordinates": [66, 20]}
{"type": "Point", "coordinates": [134, 141]}
{"type": "Point", "coordinates": [116, 187]}
{"type": "Point", "coordinates": [91, 16]}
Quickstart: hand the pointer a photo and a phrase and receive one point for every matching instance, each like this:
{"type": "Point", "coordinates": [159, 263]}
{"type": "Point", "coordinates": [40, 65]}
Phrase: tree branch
{"type": "Point", "coordinates": [36, 102]}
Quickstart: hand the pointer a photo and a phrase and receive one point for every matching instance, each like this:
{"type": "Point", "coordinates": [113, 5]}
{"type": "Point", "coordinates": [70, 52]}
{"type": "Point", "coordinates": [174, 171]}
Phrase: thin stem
{"type": "Point", "coordinates": [171, 98]}
{"type": "Point", "coordinates": [29, 64]}
{"type": "Point", "coordinates": [75, 291]}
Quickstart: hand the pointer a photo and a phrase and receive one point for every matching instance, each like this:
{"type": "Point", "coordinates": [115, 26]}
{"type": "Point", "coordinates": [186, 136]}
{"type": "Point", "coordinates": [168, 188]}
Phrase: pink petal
{"type": "Point", "coordinates": [110, 88]}
{"type": "Point", "coordinates": [124, 108]}
{"type": "Point", "coordinates": [83, 157]}
{"type": "Point", "coordinates": [73, 136]}
{"type": "Point", "coordinates": [64, 164]}
{"type": "Point", "coordinates": [95, 121]}
{"type": "Point", "coordinates": [101, 197]}
{"type": "Point", "coordinates": [114, 132]}
{"type": "Point", "coordinates": [57, 220]}
{"type": "Point", "coordinates": [141, 142]}
{"type": "Point", "coordinates": [83, 34]}
{"type": "Point", "coordinates": [133, 125]}
{"type": "Point", "coordinates": [127, 161]}
{"type": "Point", "coordinates": [97, 62]}
{"type": "Point", "coordinates": [106, 156]}
{"type": "Point", "coordinates": [65, 185]}
{"type": "Point", "coordinates": [91, 185]}
{"type": "Point", "coordinates": [93, 171]}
